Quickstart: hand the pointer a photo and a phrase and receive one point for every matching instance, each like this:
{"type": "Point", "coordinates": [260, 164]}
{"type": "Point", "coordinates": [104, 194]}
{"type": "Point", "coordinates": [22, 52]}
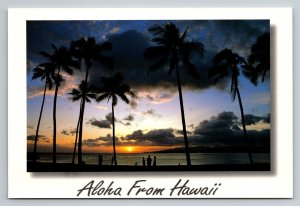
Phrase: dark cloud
{"type": "Point", "coordinates": [151, 112]}
{"type": "Point", "coordinates": [223, 130]}
{"type": "Point", "coordinates": [130, 41]}
{"type": "Point", "coordinates": [153, 137]}
{"type": "Point", "coordinates": [100, 123]}
{"type": "Point", "coordinates": [125, 123]}
{"type": "Point", "coordinates": [220, 131]}
{"type": "Point", "coordinates": [251, 119]}
{"type": "Point", "coordinates": [107, 122]}
{"type": "Point", "coordinates": [68, 132]}
{"type": "Point", "coordinates": [156, 137]}
{"type": "Point", "coordinates": [109, 118]}
{"type": "Point", "coordinates": [127, 52]}
{"type": "Point", "coordinates": [223, 122]}
{"type": "Point", "coordinates": [160, 137]}
{"type": "Point", "coordinates": [41, 138]}
{"type": "Point", "coordinates": [133, 104]}
{"type": "Point", "coordinates": [130, 117]}
{"type": "Point", "coordinates": [64, 132]}
{"type": "Point", "coordinates": [105, 140]}
{"type": "Point", "coordinates": [161, 96]}
{"type": "Point", "coordinates": [181, 132]}
{"type": "Point", "coordinates": [267, 119]}
{"type": "Point", "coordinates": [127, 120]}
{"type": "Point", "coordinates": [191, 126]}
{"type": "Point", "coordinates": [235, 127]}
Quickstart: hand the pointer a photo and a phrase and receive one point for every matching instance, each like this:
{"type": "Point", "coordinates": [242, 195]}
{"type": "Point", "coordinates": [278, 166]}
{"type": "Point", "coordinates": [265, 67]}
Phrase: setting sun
{"type": "Point", "coordinates": [129, 149]}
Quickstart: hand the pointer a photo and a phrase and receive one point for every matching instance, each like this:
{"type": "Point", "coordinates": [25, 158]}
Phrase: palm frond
{"type": "Point", "coordinates": [67, 69]}
{"type": "Point", "coordinates": [172, 64]}
{"type": "Point", "coordinates": [224, 55]}
{"type": "Point", "coordinates": [156, 29]}
{"type": "Point", "coordinates": [123, 97]}
{"type": "Point", "coordinates": [114, 100]}
{"type": "Point", "coordinates": [194, 46]}
{"type": "Point", "coordinates": [192, 70]}
{"type": "Point", "coordinates": [217, 70]}
{"type": "Point", "coordinates": [75, 95]}
{"type": "Point", "coordinates": [38, 72]}
{"type": "Point", "coordinates": [87, 100]}
{"type": "Point", "coordinates": [45, 54]}
{"type": "Point", "coordinates": [91, 95]}
{"type": "Point", "coordinates": [75, 98]}
{"type": "Point", "coordinates": [251, 74]}
{"type": "Point", "coordinates": [183, 36]}
{"type": "Point", "coordinates": [159, 64]}
{"type": "Point", "coordinates": [103, 97]}
{"type": "Point", "coordinates": [155, 52]}
{"type": "Point", "coordinates": [160, 41]}
{"type": "Point", "coordinates": [131, 94]}
{"type": "Point", "coordinates": [49, 83]}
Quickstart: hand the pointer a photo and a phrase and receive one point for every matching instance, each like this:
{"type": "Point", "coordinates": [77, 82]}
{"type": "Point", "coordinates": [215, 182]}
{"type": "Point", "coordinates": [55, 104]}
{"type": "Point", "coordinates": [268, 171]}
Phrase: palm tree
{"type": "Point", "coordinates": [228, 63]}
{"type": "Point", "coordinates": [174, 48]}
{"type": "Point", "coordinates": [88, 50]}
{"type": "Point", "coordinates": [112, 88]}
{"type": "Point", "coordinates": [84, 94]}
{"type": "Point", "coordinates": [45, 72]}
{"type": "Point", "coordinates": [259, 59]}
{"type": "Point", "coordinates": [62, 60]}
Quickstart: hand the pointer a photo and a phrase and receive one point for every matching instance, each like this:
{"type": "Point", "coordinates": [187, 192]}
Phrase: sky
{"type": "Point", "coordinates": [152, 121]}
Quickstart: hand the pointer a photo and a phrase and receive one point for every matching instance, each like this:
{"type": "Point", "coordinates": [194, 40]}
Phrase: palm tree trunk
{"type": "Point", "coordinates": [80, 134]}
{"type": "Point", "coordinates": [38, 125]}
{"type": "Point", "coordinates": [77, 128]}
{"type": "Point", "coordinates": [54, 115]}
{"type": "Point", "coordinates": [114, 138]}
{"type": "Point", "coordinates": [187, 152]}
{"type": "Point", "coordinates": [244, 125]}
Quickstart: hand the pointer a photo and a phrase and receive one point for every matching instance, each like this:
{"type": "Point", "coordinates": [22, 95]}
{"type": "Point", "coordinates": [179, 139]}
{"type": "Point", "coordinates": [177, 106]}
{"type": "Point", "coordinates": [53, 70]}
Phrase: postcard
{"type": "Point", "coordinates": [150, 103]}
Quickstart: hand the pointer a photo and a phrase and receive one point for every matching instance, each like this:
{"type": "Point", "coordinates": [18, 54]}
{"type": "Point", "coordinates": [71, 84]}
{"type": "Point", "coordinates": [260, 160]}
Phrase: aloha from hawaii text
{"type": "Point", "coordinates": [181, 188]}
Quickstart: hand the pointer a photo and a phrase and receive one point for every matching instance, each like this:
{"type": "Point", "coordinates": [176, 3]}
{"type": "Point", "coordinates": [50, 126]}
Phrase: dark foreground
{"type": "Point", "coordinates": [67, 167]}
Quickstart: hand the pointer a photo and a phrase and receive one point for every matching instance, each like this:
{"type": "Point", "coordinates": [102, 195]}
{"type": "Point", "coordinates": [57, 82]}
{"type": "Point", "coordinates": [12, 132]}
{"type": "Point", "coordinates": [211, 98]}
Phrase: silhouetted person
{"type": "Point", "coordinates": [149, 161]}
{"type": "Point", "coordinates": [154, 161]}
{"type": "Point", "coordinates": [135, 164]}
{"type": "Point", "coordinates": [100, 159]}
{"type": "Point", "coordinates": [144, 162]}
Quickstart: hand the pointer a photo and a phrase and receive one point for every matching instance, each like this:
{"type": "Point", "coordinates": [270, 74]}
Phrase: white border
{"type": "Point", "coordinates": [279, 184]}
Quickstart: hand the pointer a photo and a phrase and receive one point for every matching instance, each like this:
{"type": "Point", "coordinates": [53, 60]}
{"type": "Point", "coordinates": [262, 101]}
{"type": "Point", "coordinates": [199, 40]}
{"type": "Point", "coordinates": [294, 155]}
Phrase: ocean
{"type": "Point", "coordinates": [163, 158]}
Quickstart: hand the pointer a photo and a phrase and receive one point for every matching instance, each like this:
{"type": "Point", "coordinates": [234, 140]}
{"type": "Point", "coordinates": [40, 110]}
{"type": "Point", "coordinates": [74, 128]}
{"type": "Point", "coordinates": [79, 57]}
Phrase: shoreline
{"type": "Point", "coordinates": [69, 167]}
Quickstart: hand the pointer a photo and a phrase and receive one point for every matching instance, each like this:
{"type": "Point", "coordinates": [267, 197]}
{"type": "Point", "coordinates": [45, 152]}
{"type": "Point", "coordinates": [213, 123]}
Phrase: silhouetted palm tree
{"type": "Point", "coordinates": [77, 128]}
{"type": "Point", "coordinates": [228, 63]}
{"type": "Point", "coordinates": [174, 48]}
{"type": "Point", "coordinates": [259, 59]}
{"type": "Point", "coordinates": [84, 94]}
{"type": "Point", "coordinates": [45, 72]}
{"type": "Point", "coordinates": [112, 88]}
{"type": "Point", "coordinates": [88, 50]}
{"type": "Point", "coordinates": [62, 60]}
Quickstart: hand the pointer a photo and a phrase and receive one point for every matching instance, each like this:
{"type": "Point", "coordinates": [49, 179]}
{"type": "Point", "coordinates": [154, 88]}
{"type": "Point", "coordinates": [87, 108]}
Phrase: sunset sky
{"type": "Point", "coordinates": [152, 121]}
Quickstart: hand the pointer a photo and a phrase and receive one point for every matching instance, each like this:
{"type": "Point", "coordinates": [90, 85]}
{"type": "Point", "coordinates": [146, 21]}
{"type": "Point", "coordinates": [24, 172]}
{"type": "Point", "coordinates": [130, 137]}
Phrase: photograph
{"type": "Point", "coordinates": [148, 95]}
